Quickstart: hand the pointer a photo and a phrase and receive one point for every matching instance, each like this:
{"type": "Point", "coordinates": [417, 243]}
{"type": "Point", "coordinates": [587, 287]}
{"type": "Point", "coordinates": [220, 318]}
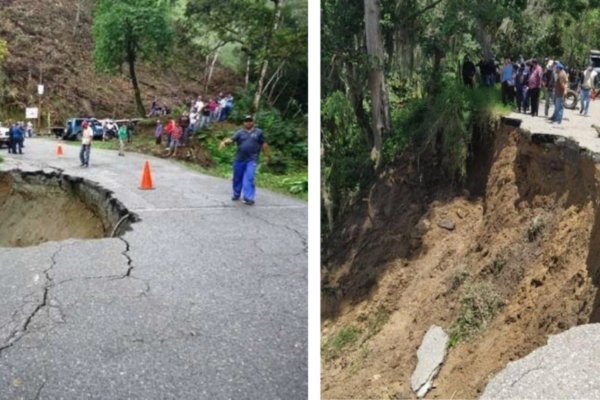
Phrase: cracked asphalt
{"type": "Point", "coordinates": [203, 298]}
{"type": "Point", "coordinates": [566, 368]}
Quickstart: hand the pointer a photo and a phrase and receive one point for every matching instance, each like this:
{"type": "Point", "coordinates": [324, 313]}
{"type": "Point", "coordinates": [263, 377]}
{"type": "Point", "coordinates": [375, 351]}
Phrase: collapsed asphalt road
{"type": "Point", "coordinates": [203, 298]}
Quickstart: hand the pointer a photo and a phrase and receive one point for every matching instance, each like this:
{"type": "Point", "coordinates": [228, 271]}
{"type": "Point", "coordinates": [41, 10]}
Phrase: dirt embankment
{"type": "Point", "coordinates": [38, 207]}
{"type": "Point", "coordinates": [45, 41]}
{"type": "Point", "coordinates": [528, 227]}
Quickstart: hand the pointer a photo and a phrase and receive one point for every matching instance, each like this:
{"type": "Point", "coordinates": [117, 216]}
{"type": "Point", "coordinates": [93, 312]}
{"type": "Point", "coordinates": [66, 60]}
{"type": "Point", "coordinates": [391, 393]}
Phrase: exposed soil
{"type": "Point", "coordinates": [44, 41]}
{"type": "Point", "coordinates": [37, 207]}
{"type": "Point", "coordinates": [390, 254]}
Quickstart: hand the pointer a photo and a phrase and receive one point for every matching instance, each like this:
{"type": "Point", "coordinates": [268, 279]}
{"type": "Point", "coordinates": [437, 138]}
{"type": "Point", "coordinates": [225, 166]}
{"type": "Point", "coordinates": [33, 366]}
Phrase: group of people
{"type": "Point", "coordinates": [17, 132]}
{"type": "Point", "coordinates": [199, 115]}
{"type": "Point", "coordinates": [523, 80]}
{"type": "Point", "coordinates": [250, 142]}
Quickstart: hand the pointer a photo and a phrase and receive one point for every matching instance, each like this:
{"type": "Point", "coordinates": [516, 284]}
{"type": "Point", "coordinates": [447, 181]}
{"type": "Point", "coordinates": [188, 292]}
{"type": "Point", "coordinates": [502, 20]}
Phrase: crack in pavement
{"type": "Point", "coordinates": [299, 234]}
{"type": "Point", "coordinates": [17, 334]}
{"type": "Point", "coordinates": [536, 368]}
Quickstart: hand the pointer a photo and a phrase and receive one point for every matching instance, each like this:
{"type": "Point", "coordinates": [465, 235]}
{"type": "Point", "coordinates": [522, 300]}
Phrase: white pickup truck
{"type": "Point", "coordinates": [3, 136]}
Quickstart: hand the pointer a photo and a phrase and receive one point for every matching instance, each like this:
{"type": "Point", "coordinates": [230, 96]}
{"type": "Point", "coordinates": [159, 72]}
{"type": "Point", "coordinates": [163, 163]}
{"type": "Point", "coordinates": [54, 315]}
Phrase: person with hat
{"type": "Point", "coordinates": [589, 78]}
{"type": "Point", "coordinates": [86, 144]}
{"type": "Point", "coordinates": [250, 141]}
{"type": "Point", "coordinates": [548, 85]}
{"type": "Point", "coordinates": [560, 91]}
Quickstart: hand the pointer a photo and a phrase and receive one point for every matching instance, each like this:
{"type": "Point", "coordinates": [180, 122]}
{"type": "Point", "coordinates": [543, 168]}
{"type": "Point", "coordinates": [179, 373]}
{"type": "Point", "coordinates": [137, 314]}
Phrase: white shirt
{"type": "Point", "coordinates": [87, 136]}
{"type": "Point", "coordinates": [588, 79]}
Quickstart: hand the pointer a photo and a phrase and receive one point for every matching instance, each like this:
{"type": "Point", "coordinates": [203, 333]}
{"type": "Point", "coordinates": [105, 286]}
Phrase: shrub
{"type": "Point", "coordinates": [340, 340]}
{"type": "Point", "coordinates": [535, 228]}
{"type": "Point", "coordinates": [480, 303]}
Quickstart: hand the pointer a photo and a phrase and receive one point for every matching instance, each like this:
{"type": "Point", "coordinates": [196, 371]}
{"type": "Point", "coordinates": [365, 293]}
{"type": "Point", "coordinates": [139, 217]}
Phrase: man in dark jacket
{"type": "Point", "coordinates": [468, 72]}
{"type": "Point", "coordinates": [16, 134]}
{"type": "Point", "coordinates": [130, 130]}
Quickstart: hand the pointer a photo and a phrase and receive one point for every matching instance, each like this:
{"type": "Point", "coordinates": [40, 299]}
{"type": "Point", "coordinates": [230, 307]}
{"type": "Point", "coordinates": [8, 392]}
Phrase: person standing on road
{"type": "Point", "coordinates": [587, 84]}
{"type": "Point", "coordinates": [130, 130]}
{"type": "Point", "coordinates": [548, 85]}
{"type": "Point", "coordinates": [507, 82]}
{"type": "Point", "coordinates": [86, 144]}
{"type": "Point", "coordinates": [560, 91]}
{"type": "Point", "coordinates": [521, 87]}
{"type": "Point", "coordinates": [17, 139]}
{"type": "Point", "coordinates": [122, 139]}
{"type": "Point", "coordinates": [29, 129]}
{"type": "Point", "coordinates": [250, 141]}
{"type": "Point", "coordinates": [158, 132]}
{"type": "Point", "coordinates": [535, 84]}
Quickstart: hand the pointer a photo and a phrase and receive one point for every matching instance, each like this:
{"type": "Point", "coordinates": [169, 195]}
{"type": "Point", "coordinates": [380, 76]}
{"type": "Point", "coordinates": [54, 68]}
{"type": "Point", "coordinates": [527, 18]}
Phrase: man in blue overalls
{"type": "Point", "coordinates": [250, 141]}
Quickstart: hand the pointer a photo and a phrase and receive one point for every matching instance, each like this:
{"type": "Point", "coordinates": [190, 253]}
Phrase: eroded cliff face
{"type": "Point", "coordinates": [526, 234]}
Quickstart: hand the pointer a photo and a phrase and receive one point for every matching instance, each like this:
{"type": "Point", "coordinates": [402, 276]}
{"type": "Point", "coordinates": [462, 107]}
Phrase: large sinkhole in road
{"type": "Point", "coordinates": [38, 207]}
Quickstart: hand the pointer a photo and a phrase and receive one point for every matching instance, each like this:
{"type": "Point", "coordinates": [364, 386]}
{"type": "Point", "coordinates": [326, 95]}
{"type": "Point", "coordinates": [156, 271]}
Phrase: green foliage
{"type": "Point", "coordinates": [340, 340]}
{"type": "Point", "coordinates": [142, 28]}
{"type": "Point", "coordinates": [289, 136]}
{"type": "Point", "coordinates": [480, 303]}
{"type": "Point", "coordinates": [446, 122]}
{"type": "Point", "coordinates": [244, 28]}
{"type": "Point", "coordinates": [377, 322]}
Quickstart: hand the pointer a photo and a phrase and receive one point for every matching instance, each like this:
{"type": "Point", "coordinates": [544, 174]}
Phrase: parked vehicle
{"type": "Point", "coordinates": [3, 136]}
{"type": "Point", "coordinates": [74, 131]}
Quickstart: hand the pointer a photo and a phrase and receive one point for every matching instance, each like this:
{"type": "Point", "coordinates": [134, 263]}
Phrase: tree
{"type": "Point", "coordinates": [129, 31]}
{"type": "Point", "coordinates": [3, 54]}
{"type": "Point", "coordinates": [265, 59]}
{"type": "Point", "coordinates": [270, 37]}
{"type": "Point", "coordinates": [377, 82]}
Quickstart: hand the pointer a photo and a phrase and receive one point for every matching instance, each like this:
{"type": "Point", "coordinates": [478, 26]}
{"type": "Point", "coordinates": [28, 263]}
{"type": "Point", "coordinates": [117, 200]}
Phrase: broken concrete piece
{"type": "Point", "coordinates": [447, 224]}
{"type": "Point", "coordinates": [431, 355]}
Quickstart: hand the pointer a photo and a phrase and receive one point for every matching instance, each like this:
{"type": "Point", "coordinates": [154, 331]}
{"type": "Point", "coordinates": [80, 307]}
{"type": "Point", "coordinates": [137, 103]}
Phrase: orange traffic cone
{"type": "Point", "coordinates": [59, 151]}
{"type": "Point", "coordinates": [147, 178]}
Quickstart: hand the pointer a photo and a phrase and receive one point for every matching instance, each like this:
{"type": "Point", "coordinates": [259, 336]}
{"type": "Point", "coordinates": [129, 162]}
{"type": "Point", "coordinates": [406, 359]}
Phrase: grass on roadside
{"type": "Point", "coordinates": [294, 182]}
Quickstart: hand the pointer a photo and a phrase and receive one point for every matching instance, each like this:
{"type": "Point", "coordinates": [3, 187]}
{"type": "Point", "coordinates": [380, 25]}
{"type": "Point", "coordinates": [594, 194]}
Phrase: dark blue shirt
{"type": "Point", "coordinates": [249, 144]}
{"type": "Point", "coordinates": [16, 132]}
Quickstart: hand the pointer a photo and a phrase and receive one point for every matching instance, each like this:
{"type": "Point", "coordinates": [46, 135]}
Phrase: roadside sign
{"type": "Point", "coordinates": [31, 113]}
{"type": "Point", "coordinates": [40, 89]}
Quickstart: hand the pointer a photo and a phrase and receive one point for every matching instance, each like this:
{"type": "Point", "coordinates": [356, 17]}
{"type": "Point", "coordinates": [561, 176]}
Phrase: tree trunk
{"type": "Point", "coordinates": [485, 38]}
{"type": "Point", "coordinates": [247, 81]}
{"type": "Point", "coordinates": [212, 68]}
{"type": "Point", "coordinates": [265, 63]}
{"type": "Point", "coordinates": [77, 18]}
{"type": "Point", "coordinates": [136, 88]}
{"type": "Point", "coordinates": [379, 94]}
